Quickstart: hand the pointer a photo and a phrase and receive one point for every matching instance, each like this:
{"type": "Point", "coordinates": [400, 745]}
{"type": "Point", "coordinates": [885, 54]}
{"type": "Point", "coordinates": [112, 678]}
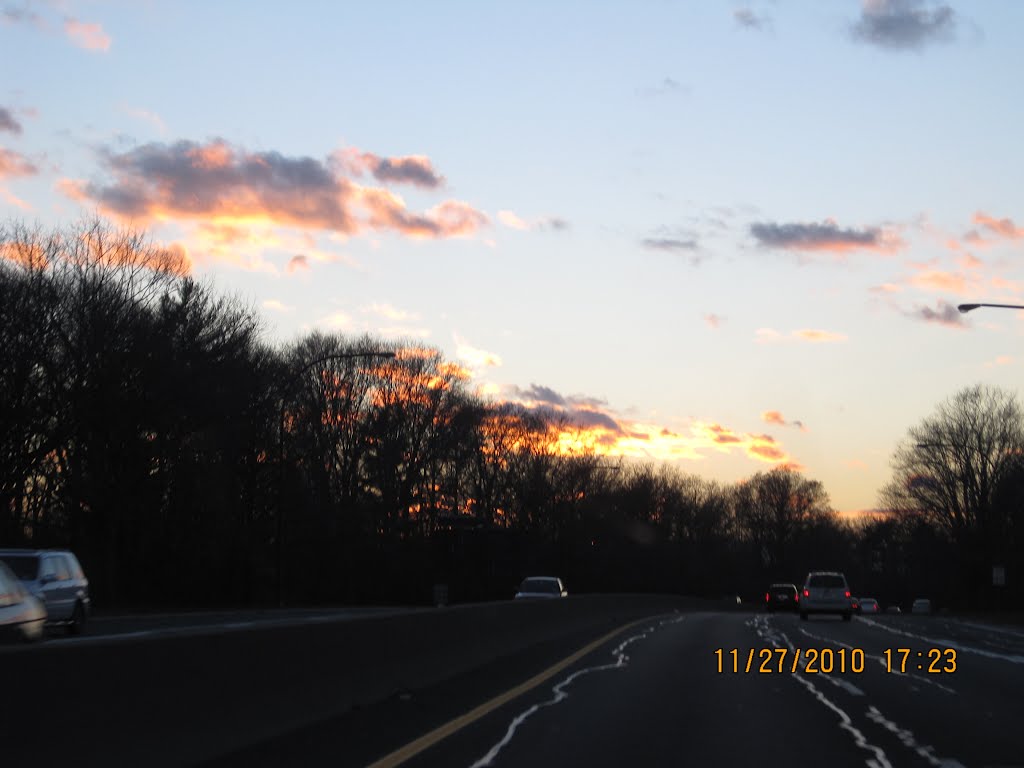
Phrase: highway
{"type": "Point", "coordinates": [658, 694]}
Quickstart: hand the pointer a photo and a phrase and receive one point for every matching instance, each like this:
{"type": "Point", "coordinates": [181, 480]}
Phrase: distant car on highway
{"type": "Point", "coordinates": [893, 609]}
{"type": "Point", "coordinates": [869, 605]}
{"type": "Point", "coordinates": [921, 605]}
{"type": "Point", "coordinates": [825, 592]}
{"type": "Point", "coordinates": [22, 617]}
{"type": "Point", "coordinates": [56, 579]}
{"type": "Point", "coordinates": [782, 597]}
{"type": "Point", "coordinates": [855, 604]}
{"type": "Point", "coordinates": [541, 587]}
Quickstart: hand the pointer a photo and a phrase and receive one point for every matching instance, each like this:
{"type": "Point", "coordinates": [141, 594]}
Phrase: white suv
{"type": "Point", "coordinates": [826, 592]}
{"type": "Point", "coordinates": [55, 578]}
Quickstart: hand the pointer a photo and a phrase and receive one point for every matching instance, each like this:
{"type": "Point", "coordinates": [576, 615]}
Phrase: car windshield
{"type": "Point", "coordinates": [25, 567]}
{"type": "Point", "coordinates": [546, 586]}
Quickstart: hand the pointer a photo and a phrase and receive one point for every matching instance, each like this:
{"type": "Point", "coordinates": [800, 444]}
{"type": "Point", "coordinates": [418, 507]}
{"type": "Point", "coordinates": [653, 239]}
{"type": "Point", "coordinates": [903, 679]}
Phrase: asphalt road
{"type": "Point", "coordinates": [656, 695]}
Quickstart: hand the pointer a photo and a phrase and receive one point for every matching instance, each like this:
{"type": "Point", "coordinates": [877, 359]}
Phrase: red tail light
{"type": "Point", "coordinates": [767, 597]}
{"type": "Point", "coordinates": [807, 593]}
{"type": "Point", "coordinates": [798, 597]}
{"type": "Point", "coordinates": [847, 593]}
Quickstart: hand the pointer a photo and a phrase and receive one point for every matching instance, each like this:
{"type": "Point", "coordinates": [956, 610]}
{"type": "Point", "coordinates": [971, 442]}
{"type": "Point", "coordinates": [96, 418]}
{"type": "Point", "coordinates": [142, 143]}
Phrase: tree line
{"type": "Point", "coordinates": [146, 423]}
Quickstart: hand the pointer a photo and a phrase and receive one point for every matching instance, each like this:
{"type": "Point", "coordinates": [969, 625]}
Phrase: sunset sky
{"type": "Point", "coordinates": [725, 235]}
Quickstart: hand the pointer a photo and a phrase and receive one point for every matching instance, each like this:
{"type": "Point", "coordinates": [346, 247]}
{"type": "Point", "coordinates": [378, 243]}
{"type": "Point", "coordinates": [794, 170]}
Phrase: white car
{"type": "Point", "coordinates": [22, 617]}
{"type": "Point", "coordinates": [826, 592]}
{"type": "Point", "coordinates": [55, 578]}
{"type": "Point", "coordinates": [541, 587]}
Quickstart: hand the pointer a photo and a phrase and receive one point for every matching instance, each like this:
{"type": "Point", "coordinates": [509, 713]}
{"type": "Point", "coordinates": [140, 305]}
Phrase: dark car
{"type": "Point", "coordinates": [782, 597]}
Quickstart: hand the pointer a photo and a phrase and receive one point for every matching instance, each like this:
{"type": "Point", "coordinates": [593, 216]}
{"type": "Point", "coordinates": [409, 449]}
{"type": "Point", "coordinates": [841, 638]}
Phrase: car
{"type": "Point", "coordinates": [855, 604]}
{"type": "Point", "coordinates": [869, 605]}
{"type": "Point", "coordinates": [541, 587]}
{"type": "Point", "coordinates": [825, 592]}
{"type": "Point", "coordinates": [22, 617]}
{"type": "Point", "coordinates": [782, 597]}
{"type": "Point", "coordinates": [894, 609]}
{"type": "Point", "coordinates": [56, 579]}
{"type": "Point", "coordinates": [921, 605]}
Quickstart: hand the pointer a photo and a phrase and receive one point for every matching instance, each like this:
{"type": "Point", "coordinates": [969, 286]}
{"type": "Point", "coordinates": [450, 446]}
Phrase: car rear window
{"type": "Point", "coordinates": [25, 567]}
{"type": "Point", "coordinates": [827, 581]}
{"type": "Point", "coordinates": [539, 585]}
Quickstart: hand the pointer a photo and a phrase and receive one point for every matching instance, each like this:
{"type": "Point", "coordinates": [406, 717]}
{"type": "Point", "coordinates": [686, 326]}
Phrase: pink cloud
{"type": "Point", "coordinates": [87, 35]}
{"type": "Point", "coordinates": [1002, 227]}
{"type": "Point", "coordinates": [219, 182]}
{"type": "Point", "coordinates": [14, 164]}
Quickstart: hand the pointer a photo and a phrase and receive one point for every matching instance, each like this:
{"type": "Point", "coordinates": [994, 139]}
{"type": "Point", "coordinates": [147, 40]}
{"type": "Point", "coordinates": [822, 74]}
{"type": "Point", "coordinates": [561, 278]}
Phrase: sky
{"type": "Point", "coordinates": [727, 236]}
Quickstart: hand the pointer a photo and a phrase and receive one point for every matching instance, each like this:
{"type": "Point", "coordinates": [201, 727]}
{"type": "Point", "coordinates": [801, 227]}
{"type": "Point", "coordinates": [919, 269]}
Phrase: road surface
{"type": "Point", "coordinates": [658, 694]}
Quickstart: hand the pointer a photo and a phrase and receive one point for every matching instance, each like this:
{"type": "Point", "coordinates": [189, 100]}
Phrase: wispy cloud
{"type": "Point", "coordinates": [512, 220]}
{"type": "Point", "coordinates": [770, 336]}
{"type": "Point", "coordinates": [220, 182]}
{"type": "Point", "coordinates": [670, 244]}
{"type": "Point", "coordinates": [417, 170]}
{"type": "Point", "coordinates": [747, 19]}
{"type": "Point", "coordinates": [474, 356]}
{"type": "Point", "coordinates": [886, 288]}
{"type": "Point", "coordinates": [825, 236]}
{"type": "Point", "coordinates": [15, 164]}
{"type": "Point", "coordinates": [713, 320]}
{"type": "Point", "coordinates": [944, 313]}
{"type": "Point", "coordinates": [8, 122]}
{"type": "Point", "coordinates": [1004, 228]}
{"type": "Point", "coordinates": [277, 306]}
{"type": "Point", "coordinates": [999, 361]}
{"type": "Point", "coordinates": [147, 116]}
{"type": "Point", "coordinates": [87, 35]}
{"type": "Point", "coordinates": [904, 24]}
{"type": "Point", "coordinates": [776, 417]}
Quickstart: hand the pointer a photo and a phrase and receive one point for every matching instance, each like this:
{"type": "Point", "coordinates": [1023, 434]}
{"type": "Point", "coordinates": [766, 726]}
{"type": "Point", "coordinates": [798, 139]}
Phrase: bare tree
{"type": "Point", "coordinates": [949, 466]}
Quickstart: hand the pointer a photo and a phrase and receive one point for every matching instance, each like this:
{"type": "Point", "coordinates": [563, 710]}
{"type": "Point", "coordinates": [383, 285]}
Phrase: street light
{"type": "Point", "coordinates": [280, 453]}
{"type": "Point", "coordinates": [965, 308]}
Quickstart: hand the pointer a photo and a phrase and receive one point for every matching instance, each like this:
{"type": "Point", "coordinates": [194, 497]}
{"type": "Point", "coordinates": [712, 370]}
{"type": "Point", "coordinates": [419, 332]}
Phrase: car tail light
{"type": "Point", "coordinates": [807, 593]}
{"type": "Point", "coordinates": [767, 597]}
{"type": "Point", "coordinates": [847, 593]}
{"type": "Point", "coordinates": [798, 597]}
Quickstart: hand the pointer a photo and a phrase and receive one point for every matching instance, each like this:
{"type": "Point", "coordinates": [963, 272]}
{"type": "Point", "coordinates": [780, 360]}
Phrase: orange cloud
{"type": "Point", "coordinates": [809, 334]}
{"type": "Point", "coordinates": [224, 184]}
{"type": "Point", "coordinates": [944, 282]}
{"type": "Point", "coordinates": [14, 164]}
{"type": "Point", "coordinates": [1002, 227]}
{"type": "Point", "coordinates": [89, 36]}
{"type": "Point", "coordinates": [770, 335]}
{"type": "Point", "coordinates": [775, 417]}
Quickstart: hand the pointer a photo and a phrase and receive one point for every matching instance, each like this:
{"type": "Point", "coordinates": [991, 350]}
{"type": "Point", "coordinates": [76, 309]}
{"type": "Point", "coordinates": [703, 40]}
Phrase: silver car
{"type": "Point", "coordinates": [22, 617]}
{"type": "Point", "coordinates": [826, 592]}
{"type": "Point", "coordinates": [55, 578]}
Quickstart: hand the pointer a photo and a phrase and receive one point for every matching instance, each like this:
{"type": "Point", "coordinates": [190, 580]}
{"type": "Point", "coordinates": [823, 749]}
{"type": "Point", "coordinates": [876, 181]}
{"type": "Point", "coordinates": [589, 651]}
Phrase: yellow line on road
{"type": "Point", "coordinates": [428, 740]}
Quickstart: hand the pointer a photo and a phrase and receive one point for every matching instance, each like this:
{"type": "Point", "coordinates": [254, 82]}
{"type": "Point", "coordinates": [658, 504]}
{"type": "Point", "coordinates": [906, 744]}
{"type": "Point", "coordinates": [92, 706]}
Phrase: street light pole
{"type": "Point", "coordinates": [280, 453]}
{"type": "Point", "coordinates": [965, 308]}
